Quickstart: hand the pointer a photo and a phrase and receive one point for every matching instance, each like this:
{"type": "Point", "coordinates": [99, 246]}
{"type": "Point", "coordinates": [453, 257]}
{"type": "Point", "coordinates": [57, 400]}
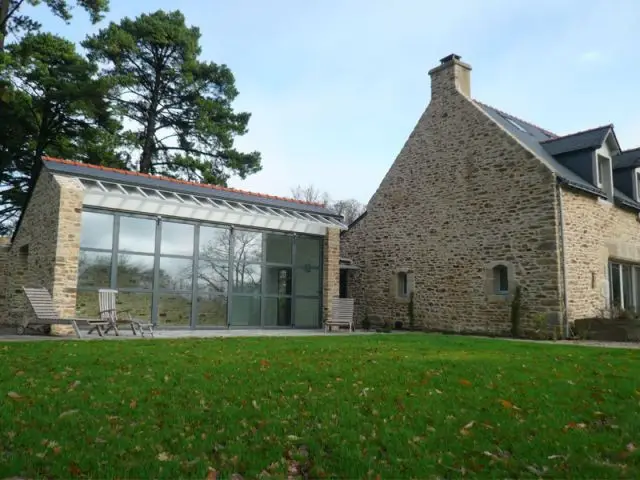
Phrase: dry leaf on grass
{"type": "Point", "coordinates": [14, 395]}
{"type": "Point", "coordinates": [465, 382]}
{"type": "Point", "coordinates": [212, 474]}
{"type": "Point", "coordinates": [163, 457]}
{"type": "Point", "coordinates": [67, 413]}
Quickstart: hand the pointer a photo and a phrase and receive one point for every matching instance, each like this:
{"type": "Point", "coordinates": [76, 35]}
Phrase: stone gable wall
{"type": "Point", "coordinates": [462, 195]}
{"type": "Point", "coordinates": [45, 249]}
{"type": "Point", "coordinates": [595, 231]}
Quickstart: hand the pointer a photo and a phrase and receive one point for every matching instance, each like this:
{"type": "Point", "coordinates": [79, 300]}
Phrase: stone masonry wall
{"type": "Point", "coordinates": [595, 231]}
{"type": "Point", "coordinates": [45, 249]}
{"type": "Point", "coordinates": [5, 244]}
{"type": "Point", "coordinates": [351, 242]}
{"type": "Point", "coordinates": [331, 270]}
{"type": "Point", "coordinates": [461, 196]}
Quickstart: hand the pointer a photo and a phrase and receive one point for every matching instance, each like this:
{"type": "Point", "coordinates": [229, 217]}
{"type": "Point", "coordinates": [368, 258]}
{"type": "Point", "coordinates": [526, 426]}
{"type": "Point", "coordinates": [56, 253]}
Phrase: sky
{"type": "Point", "coordinates": [336, 86]}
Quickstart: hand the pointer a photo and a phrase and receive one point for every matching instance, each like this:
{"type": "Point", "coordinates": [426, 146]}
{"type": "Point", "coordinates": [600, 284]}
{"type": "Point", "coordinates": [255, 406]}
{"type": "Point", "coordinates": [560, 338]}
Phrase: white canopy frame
{"type": "Point", "coordinates": [130, 198]}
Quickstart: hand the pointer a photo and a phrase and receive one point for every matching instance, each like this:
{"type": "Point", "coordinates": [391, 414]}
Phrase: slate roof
{"type": "Point", "coordinates": [127, 177]}
{"type": "Point", "coordinates": [534, 137]}
{"type": "Point", "coordinates": [592, 138]}
{"type": "Point", "coordinates": [627, 159]}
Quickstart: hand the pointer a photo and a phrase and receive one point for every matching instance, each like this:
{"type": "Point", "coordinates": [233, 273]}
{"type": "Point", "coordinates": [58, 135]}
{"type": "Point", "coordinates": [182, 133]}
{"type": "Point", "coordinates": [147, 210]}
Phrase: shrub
{"type": "Point", "coordinates": [412, 313]}
{"type": "Point", "coordinates": [516, 306]}
{"type": "Point", "coordinates": [366, 323]}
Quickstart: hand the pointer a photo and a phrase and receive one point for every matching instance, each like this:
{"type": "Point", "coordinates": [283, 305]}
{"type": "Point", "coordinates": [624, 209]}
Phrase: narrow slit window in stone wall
{"type": "Point", "coordinates": [500, 279]}
{"type": "Point", "coordinates": [403, 284]}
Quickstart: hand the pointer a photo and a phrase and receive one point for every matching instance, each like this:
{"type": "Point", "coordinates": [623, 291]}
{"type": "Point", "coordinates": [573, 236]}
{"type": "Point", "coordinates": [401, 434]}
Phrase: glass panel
{"type": "Point", "coordinates": [627, 286]}
{"type": "Point", "coordinates": [212, 278]}
{"type": "Point", "coordinates": [247, 247]}
{"type": "Point", "coordinates": [212, 311]}
{"type": "Point", "coordinates": [277, 312]}
{"type": "Point", "coordinates": [247, 278]}
{"type": "Point", "coordinates": [278, 281]}
{"type": "Point", "coordinates": [279, 248]}
{"type": "Point", "coordinates": [135, 271]}
{"type": "Point", "coordinates": [614, 285]}
{"type": "Point", "coordinates": [97, 230]}
{"type": "Point", "coordinates": [138, 304]}
{"type": "Point", "coordinates": [94, 269]}
{"type": "Point", "coordinates": [176, 273]}
{"type": "Point", "coordinates": [308, 281]}
{"type": "Point", "coordinates": [137, 235]}
{"type": "Point", "coordinates": [307, 313]}
{"type": "Point", "coordinates": [245, 311]}
{"type": "Point", "coordinates": [174, 309]}
{"type": "Point", "coordinates": [308, 251]}
{"type": "Point", "coordinates": [87, 304]}
{"type": "Point", "coordinates": [177, 239]}
{"type": "Point", "coordinates": [214, 245]}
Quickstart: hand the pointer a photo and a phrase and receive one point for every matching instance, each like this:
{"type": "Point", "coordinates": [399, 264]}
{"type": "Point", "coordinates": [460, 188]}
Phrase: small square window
{"type": "Point", "coordinates": [403, 284]}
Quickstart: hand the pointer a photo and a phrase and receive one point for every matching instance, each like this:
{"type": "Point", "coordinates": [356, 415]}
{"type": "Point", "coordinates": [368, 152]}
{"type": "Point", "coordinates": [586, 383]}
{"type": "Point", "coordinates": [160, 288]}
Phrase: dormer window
{"type": "Point", "coordinates": [604, 177]}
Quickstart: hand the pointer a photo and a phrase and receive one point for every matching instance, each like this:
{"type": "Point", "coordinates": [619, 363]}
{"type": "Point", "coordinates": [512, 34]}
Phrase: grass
{"type": "Point", "coordinates": [398, 406]}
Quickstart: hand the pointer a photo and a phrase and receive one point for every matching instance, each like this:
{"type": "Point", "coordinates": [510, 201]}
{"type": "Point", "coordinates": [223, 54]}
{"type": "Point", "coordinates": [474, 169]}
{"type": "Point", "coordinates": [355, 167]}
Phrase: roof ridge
{"type": "Point", "coordinates": [622, 152]}
{"type": "Point", "coordinates": [610, 125]}
{"type": "Point", "coordinates": [544, 130]}
{"type": "Point", "coordinates": [179, 181]}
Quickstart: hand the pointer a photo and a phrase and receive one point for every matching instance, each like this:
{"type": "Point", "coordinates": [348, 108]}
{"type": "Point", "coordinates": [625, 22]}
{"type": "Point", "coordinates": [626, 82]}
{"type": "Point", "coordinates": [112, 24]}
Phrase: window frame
{"type": "Point", "coordinates": [500, 275]}
{"type": "Point", "coordinates": [633, 294]}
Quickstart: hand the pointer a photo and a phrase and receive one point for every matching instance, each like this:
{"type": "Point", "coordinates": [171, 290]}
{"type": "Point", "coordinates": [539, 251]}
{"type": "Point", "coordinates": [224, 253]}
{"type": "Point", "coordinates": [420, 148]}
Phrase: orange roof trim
{"type": "Point", "coordinates": [178, 181]}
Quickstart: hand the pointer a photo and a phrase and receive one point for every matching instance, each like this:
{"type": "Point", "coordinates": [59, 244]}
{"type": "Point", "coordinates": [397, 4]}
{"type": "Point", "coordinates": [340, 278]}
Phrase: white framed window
{"type": "Point", "coordinates": [624, 285]}
{"type": "Point", "coordinates": [636, 183]}
{"type": "Point", "coordinates": [604, 176]}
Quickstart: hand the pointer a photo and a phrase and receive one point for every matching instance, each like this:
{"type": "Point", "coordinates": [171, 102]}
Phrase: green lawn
{"type": "Point", "coordinates": [396, 406]}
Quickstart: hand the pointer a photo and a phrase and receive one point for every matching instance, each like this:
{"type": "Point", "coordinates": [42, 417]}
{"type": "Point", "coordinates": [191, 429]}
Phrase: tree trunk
{"type": "Point", "coordinates": [4, 11]}
{"type": "Point", "coordinates": [146, 157]}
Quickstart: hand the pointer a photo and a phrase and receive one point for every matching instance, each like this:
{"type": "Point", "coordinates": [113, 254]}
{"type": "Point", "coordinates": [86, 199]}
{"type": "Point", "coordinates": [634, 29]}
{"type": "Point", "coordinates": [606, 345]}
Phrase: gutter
{"type": "Point", "coordinates": [563, 261]}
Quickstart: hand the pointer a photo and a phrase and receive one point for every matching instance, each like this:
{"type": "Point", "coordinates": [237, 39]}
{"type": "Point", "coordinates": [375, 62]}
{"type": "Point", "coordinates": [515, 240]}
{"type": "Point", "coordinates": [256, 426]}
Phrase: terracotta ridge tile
{"type": "Point", "coordinates": [180, 181]}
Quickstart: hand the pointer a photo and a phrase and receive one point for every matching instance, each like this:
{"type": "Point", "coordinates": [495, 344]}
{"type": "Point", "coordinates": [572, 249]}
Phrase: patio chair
{"type": "Point", "coordinates": [47, 315]}
{"type": "Point", "coordinates": [109, 313]}
{"type": "Point", "coordinates": [341, 314]}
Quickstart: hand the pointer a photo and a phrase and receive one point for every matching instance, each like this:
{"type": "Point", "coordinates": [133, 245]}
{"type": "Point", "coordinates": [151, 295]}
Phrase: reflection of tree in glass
{"type": "Point", "coordinates": [134, 274]}
{"type": "Point", "coordinates": [94, 268]}
{"type": "Point", "coordinates": [213, 270]}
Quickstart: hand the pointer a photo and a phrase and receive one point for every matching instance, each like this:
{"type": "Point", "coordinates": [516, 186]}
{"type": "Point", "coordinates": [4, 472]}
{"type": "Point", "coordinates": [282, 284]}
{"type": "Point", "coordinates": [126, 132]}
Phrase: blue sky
{"type": "Point", "coordinates": [335, 87]}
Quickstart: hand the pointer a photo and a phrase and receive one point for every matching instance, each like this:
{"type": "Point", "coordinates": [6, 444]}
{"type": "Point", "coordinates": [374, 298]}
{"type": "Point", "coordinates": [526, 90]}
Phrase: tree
{"type": "Point", "coordinates": [310, 194]}
{"type": "Point", "coordinates": [184, 124]}
{"type": "Point", "coordinates": [54, 106]}
{"type": "Point", "coordinates": [12, 21]}
{"type": "Point", "coordinates": [349, 209]}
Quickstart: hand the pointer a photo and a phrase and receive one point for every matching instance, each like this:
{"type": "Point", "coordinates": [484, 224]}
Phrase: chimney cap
{"type": "Point", "coordinates": [449, 58]}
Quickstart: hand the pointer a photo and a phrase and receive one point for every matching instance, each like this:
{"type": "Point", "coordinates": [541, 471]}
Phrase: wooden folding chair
{"type": "Point", "coordinates": [109, 313]}
{"type": "Point", "coordinates": [47, 315]}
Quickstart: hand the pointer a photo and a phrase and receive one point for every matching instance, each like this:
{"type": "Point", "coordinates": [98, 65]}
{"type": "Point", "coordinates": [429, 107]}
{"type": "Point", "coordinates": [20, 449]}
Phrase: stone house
{"type": "Point", "coordinates": [479, 202]}
{"type": "Point", "coordinates": [181, 254]}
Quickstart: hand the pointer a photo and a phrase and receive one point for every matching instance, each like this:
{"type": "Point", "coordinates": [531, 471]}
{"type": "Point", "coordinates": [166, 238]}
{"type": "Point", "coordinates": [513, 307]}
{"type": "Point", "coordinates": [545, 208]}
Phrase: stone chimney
{"type": "Point", "coordinates": [450, 75]}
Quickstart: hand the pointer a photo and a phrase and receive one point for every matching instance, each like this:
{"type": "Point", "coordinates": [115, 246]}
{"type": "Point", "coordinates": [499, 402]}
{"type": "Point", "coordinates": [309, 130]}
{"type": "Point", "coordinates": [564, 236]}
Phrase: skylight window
{"type": "Point", "coordinates": [516, 124]}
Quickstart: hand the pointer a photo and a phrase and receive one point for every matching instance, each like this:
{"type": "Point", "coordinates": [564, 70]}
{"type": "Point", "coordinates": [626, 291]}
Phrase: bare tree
{"type": "Point", "coordinates": [350, 209]}
{"type": "Point", "coordinates": [310, 194]}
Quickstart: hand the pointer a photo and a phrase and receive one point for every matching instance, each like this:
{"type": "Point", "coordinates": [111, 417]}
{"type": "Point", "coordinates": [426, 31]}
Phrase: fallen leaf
{"type": "Point", "coordinates": [133, 404]}
{"type": "Point", "coordinates": [293, 437]}
{"type": "Point", "coordinates": [212, 474]}
{"type": "Point", "coordinates": [236, 476]}
{"type": "Point", "coordinates": [19, 372]}
{"type": "Point", "coordinates": [74, 469]}
{"type": "Point", "coordinates": [14, 395]}
{"type": "Point", "coordinates": [163, 457]}
{"type": "Point", "coordinates": [506, 403]}
{"type": "Point", "coordinates": [57, 450]}
{"type": "Point", "coordinates": [631, 447]}
{"type": "Point", "coordinates": [67, 413]}
{"type": "Point", "coordinates": [465, 382]}
{"type": "Point", "coordinates": [265, 363]}
{"type": "Point", "coordinates": [74, 385]}
{"type": "Point", "coordinates": [255, 405]}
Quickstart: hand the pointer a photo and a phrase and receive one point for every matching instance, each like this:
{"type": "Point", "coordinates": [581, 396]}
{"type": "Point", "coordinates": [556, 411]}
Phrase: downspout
{"type": "Point", "coordinates": [563, 261]}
